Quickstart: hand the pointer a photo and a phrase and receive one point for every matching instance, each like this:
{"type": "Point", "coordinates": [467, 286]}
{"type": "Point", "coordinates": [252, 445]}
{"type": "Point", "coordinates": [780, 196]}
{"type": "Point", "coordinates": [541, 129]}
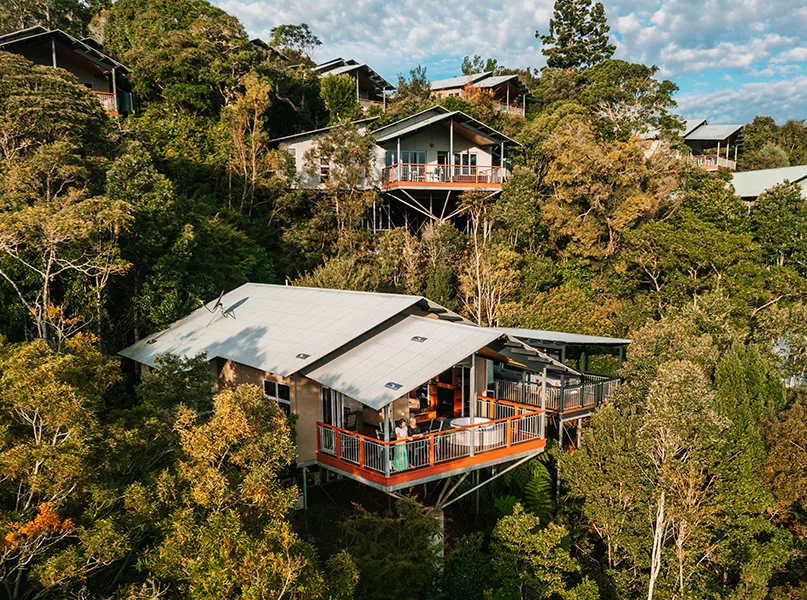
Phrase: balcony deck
{"type": "Point", "coordinates": [108, 101]}
{"type": "Point", "coordinates": [444, 177]}
{"type": "Point", "coordinates": [712, 162]}
{"type": "Point", "coordinates": [366, 103]}
{"type": "Point", "coordinates": [511, 109]}
{"type": "Point", "coordinates": [569, 401]}
{"type": "Point", "coordinates": [512, 432]}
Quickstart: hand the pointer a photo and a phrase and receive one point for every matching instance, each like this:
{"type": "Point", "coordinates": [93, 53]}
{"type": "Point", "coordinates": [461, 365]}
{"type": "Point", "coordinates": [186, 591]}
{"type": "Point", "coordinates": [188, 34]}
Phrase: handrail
{"type": "Point", "coordinates": [443, 173]}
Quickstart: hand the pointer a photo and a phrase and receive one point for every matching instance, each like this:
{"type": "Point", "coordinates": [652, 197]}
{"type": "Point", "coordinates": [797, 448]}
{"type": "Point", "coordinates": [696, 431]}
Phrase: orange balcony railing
{"type": "Point", "coordinates": [434, 175]}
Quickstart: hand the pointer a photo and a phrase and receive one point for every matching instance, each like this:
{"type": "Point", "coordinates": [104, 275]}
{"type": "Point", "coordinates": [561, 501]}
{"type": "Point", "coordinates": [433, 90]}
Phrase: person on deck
{"type": "Point", "coordinates": [413, 426]}
{"type": "Point", "coordinates": [401, 460]}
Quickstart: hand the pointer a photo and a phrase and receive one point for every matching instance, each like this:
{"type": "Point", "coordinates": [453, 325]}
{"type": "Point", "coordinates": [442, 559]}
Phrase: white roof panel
{"type": "Point", "coordinates": [454, 82]}
{"type": "Point", "coordinates": [750, 184]}
{"type": "Point", "coordinates": [712, 132]}
{"type": "Point", "coordinates": [271, 325]}
{"type": "Point", "coordinates": [561, 337]}
{"type": "Point", "coordinates": [392, 357]}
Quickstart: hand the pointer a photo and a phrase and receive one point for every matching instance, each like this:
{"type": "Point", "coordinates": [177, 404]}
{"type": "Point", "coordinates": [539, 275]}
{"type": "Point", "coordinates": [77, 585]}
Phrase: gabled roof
{"type": "Point", "coordinates": [434, 116]}
{"type": "Point", "coordinates": [275, 328]}
{"type": "Point", "coordinates": [750, 184]}
{"type": "Point", "coordinates": [401, 358]}
{"type": "Point", "coordinates": [690, 125]}
{"type": "Point", "coordinates": [313, 132]}
{"type": "Point", "coordinates": [457, 82]}
{"type": "Point", "coordinates": [486, 79]}
{"type": "Point", "coordinates": [706, 132]}
{"type": "Point", "coordinates": [339, 66]}
{"type": "Point", "coordinates": [559, 337]}
{"type": "Point", "coordinates": [90, 49]}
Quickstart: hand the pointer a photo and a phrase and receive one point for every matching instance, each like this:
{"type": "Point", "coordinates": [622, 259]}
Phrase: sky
{"type": "Point", "coordinates": [731, 59]}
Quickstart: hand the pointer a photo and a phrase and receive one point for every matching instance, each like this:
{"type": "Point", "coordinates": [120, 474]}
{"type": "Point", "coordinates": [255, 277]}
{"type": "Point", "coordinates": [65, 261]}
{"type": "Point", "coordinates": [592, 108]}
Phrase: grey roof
{"type": "Point", "coordinates": [338, 66]}
{"type": "Point", "coordinates": [455, 82]}
{"type": "Point", "coordinates": [712, 132]}
{"type": "Point", "coordinates": [285, 138]}
{"type": "Point", "coordinates": [750, 184]}
{"type": "Point", "coordinates": [495, 80]}
{"type": "Point", "coordinates": [390, 364]}
{"type": "Point", "coordinates": [275, 328]}
{"type": "Point", "coordinates": [461, 117]}
{"type": "Point", "coordinates": [559, 337]}
{"type": "Point", "coordinates": [691, 124]}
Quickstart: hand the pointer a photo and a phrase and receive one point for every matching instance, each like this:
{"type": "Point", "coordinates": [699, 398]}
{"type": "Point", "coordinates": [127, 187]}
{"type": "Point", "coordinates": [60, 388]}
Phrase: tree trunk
{"type": "Point", "coordinates": [658, 542]}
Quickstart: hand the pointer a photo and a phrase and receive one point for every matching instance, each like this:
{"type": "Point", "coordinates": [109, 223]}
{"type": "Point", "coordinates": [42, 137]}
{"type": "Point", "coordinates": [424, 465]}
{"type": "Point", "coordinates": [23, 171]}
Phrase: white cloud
{"type": "Point", "coordinates": [785, 99]}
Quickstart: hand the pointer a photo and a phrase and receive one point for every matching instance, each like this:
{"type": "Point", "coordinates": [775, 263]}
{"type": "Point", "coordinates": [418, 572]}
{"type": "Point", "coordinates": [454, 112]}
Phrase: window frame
{"type": "Point", "coordinates": [283, 403]}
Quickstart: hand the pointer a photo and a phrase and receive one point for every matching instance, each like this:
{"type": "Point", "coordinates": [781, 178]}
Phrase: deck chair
{"type": "Point", "coordinates": [351, 421]}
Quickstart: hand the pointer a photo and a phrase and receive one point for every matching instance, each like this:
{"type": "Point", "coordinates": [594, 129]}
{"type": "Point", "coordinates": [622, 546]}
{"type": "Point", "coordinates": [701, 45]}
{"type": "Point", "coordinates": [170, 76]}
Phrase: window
{"type": "Point", "coordinates": [324, 169]}
{"type": "Point", "coordinates": [280, 393]}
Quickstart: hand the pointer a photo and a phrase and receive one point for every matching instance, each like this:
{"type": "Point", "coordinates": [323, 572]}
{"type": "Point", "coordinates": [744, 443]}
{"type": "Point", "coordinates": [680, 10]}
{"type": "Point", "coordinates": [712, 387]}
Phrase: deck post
{"type": "Point", "coordinates": [398, 173]}
{"type": "Point", "coordinates": [503, 167]}
{"type": "Point", "coordinates": [305, 488]}
{"type": "Point", "coordinates": [53, 49]}
{"type": "Point", "coordinates": [557, 466]}
{"type": "Point", "coordinates": [579, 430]}
{"type": "Point", "coordinates": [386, 439]}
{"type": "Point", "coordinates": [472, 401]}
{"type": "Point", "coordinates": [115, 91]}
{"type": "Point", "coordinates": [543, 404]}
{"type": "Point", "coordinates": [451, 148]}
{"type": "Point", "coordinates": [431, 450]}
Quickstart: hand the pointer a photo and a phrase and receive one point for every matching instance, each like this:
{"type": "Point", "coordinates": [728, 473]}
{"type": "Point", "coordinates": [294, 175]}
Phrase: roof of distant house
{"type": "Point", "coordinates": [90, 48]}
{"type": "Point", "coordinates": [706, 132]}
{"type": "Point", "coordinates": [750, 184]}
{"type": "Point", "coordinates": [486, 79]}
{"type": "Point", "coordinates": [313, 132]}
{"type": "Point", "coordinates": [339, 66]}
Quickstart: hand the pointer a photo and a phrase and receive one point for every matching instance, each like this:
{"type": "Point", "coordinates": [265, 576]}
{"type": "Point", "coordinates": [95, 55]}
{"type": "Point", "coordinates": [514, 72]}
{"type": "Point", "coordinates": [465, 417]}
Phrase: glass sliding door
{"type": "Point", "coordinates": [414, 163]}
{"type": "Point", "coordinates": [332, 407]}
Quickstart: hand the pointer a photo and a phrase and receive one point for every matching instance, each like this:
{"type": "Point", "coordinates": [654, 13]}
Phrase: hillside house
{"type": "Point", "coordinates": [748, 185]}
{"type": "Point", "coordinates": [371, 88]}
{"type": "Point", "coordinates": [509, 92]}
{"type": "Point", "coordinates": [713, 147]}
{"type": "Point", "coordinates": [349, 364]}
{"type": "Point", "coordinates": [86, 59]}
{"type": "Point", "coordinates": [422, 162]}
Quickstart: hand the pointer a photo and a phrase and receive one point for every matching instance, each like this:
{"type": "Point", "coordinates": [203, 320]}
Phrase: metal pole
{"type": "Point", "coordinates": [115, 90]}
{"type": "Point", "coordinates": [305, 488]}
{"type": "Point", "coordinates": [472, 401]}
{"type": "Point", "coordinates": [504, 164]}
{"type": "Point", "coordinates": [53, 49]}
{"type": "Point", "coordinates": [543, 405]}
{"type": "Point", "coordinates": [557, 464]}
{"type": "Point", "coordinates": [451, 149]}
{"type": "Point", "coordinates": [398, 175]}
{"type": "Point", "coordinates": [386, 439]}
{"type": "Point", "coordinates": [374, 216]}
{"type": "Point", "coordinates": [579, 430]}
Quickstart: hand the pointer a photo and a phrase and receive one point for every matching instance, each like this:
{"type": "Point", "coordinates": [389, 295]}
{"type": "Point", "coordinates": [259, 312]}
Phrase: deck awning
{"type": "Point", "coordinates": [560, 337]}
{"type": "Point", "coordinates": [465, 123]}
{"type": "Point", "coordinates": [406, 355]}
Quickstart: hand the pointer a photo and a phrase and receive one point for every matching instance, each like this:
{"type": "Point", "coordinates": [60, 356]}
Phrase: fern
{"type": "Point", "coordinates": [505, 504]}
{"type": "Point", "coordinates": [538, 492]}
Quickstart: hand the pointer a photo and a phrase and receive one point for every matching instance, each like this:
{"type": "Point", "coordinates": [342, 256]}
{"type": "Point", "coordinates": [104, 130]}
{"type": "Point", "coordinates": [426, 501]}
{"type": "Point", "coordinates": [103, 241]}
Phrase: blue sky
{"type": "Point", "coordinates": [732, 60]}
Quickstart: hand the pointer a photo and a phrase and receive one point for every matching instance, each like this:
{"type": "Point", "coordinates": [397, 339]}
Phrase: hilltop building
{"type": "Point", "coordinates": [509, 92]}
{"type": "Point", "coordinates": [85, 58]}
{"type": "Point", "coordinates": [371, 88]}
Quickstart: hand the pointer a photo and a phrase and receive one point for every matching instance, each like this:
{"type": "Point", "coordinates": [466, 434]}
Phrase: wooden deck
{"type": "Point", "coordinates": [434, 176]}
{"type": "Point", "coordinates": [512, 432]}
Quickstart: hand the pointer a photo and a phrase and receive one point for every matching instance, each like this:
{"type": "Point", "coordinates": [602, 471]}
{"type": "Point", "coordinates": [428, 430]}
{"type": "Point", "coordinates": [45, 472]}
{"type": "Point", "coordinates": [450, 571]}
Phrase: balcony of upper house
{"type": "Point", "coordinates": [439, 149]}
{"type": "Point", "coordinates": [365, 433]}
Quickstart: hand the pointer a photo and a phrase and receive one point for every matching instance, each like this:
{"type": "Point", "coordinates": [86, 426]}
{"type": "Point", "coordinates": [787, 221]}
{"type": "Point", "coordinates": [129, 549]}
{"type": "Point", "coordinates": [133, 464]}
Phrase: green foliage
{"type": "Point", "coordinates": [476, 64]}
{"type": "Point", "coordinates": [339, 94]}
{"type": "Point", "coordinates": [296, 41]}
{"type": "Point", "coordinates": [397, 556]}
{"type": "Point", "coordinates": [178, 381]}
{"type": "Point", "coordinates": [71, 16]}
{"type": "Point", "coordinates": [578, 35]}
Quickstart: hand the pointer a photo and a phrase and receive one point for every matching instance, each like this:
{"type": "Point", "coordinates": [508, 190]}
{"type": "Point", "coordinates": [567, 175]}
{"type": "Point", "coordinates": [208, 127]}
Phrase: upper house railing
{"type": "Point", "coordinates": [593, 391]}
{"type": "Point", "coordinates": [712, 162]}
{"type": "Point", "coordinates": [511, 109]}
{"type": "Point", "coordinates": [430, 175]}
{"type": "Point", "coordinates": [107, 100]}
{"type": "Point", "coordinates": [366, 103]}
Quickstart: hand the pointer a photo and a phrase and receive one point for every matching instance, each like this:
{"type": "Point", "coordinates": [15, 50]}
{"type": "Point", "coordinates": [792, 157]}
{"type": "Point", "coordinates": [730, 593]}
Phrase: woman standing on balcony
{"type": "Point", "coordinates": [401, 460]}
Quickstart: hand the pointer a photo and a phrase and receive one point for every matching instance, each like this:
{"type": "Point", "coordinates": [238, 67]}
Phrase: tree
{"type": "Point", "coordinates": [578, 35]}
{"type": "Point", "coordinates": [476, 64]}
{"type": "Point", "coordinates": [779, 219]}
{"type": "Point", "coordinates": [414, 90]}
{"type": "Point", "coordinates": [339, 94]}
{"type": "Point", "coordinates": [72, 16]}
{"type": "Point", "coordinates": [295, 40]}
{"type": "Point", "coordinates": [769, 156]}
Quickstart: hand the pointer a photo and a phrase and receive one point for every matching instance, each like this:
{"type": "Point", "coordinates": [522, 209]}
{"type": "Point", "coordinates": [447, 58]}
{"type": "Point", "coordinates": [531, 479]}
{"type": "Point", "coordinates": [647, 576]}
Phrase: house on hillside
{"type": "Point", "coordinates": [350, 364]}
{"type": "Point", "coordinates": [713, 147]}
{"type": "Point", "coordinates": [509, 92]}
{"type": "Point", "coordinates": [748, 185]}
{"type": "Point", "coordinates": [85, 58]}
{"type": "Point", "coordinates": [371, 88]}
{"type": "Point", "coordinates": [423, 163]}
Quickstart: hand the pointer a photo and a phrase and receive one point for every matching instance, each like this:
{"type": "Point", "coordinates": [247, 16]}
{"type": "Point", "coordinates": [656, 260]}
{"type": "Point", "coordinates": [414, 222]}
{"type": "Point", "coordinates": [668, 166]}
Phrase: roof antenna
{"type": "Point", "coordinates": [218, 308]}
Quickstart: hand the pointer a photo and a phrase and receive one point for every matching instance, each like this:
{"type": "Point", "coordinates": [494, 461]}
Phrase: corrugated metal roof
{"type": "Point", "coordinates": [562, 338]}
{"type": "Point", "coordinates": [461, 117]}
{"type": "Point", "coordinates": [275, 328]}
{"type": "Point", "coordinates": [313, 132]}
{"type": "Point", "coordinates": [691, 124]}
{"type": "Point", "coordinates": [750, 184]}
{"type": "Point", "coordinates": [390, 364]}
{"type": "Point", "coordinates": [712, 132]}
{"type": "Point", "coordinates": [454, 82]}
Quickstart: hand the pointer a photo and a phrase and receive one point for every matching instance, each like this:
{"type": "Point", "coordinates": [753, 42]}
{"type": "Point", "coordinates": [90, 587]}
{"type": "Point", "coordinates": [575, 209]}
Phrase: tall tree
{"type": "Point", "coordinates": [476, 64]}
{"type": "Point", "coordinates": [578, 35]}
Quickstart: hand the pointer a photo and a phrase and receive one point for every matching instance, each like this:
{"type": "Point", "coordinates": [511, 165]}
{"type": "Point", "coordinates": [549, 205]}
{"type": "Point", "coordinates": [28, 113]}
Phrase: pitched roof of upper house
{"type": "Point", "coordinates": [338, 66]}
{"type": "Point", "coordinates": [690, 125]}
{"type": "Point", "coordinates": [559, 337]}
{"type": "Point", "coordinates": [88, 47]}
{"type": "Point", "coordinates": [314, 132]}
{"type": "Point", "coordinates": [275, 328]}
{"type": "Point", "coordinates": [706, 132]}
{"type": "Point", "coordinates": [486, 79]}
{"type": "Point", "coordinates": [468, 126]}
{"type": "Point", "coordinates": [750, 184]}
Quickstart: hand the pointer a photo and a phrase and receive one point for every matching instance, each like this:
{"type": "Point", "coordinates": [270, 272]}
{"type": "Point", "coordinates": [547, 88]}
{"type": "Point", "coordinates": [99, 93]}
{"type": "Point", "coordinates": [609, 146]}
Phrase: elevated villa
{"type": "Point", "coordinates": [350, 364]}
{"type": "Point", "coordinates": [371, 88]}
{"type": "Point", "coordinates": [509, 92]}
